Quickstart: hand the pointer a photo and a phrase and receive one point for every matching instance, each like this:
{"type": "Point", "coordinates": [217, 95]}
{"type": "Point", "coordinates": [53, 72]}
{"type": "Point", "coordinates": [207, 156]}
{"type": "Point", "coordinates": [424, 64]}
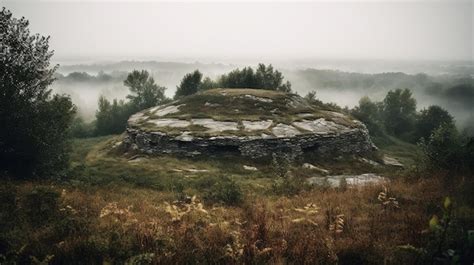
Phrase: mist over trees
{"type": "Point", "coordinates": [264, 77]}
{"type": "Point", "coordinates": [112, 117]}
{"type": "Point", "coordinates": [35, 123]}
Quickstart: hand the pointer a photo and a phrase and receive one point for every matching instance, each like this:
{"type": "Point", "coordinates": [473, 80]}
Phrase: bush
{"type": "Point", "coordinates": [430, 119]}
{"type": "Point", "coordinates": [81, 129]}
{"type": "Point", "coordinates": [446, 149]}
{"type": "Point", "coordinates": [226, 191]}
{"type": "Point", "coordinates": [41, 205]}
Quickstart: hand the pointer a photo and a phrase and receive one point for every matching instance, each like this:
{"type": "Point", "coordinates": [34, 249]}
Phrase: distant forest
{"type": "Point", "coordinates": [454, 92]}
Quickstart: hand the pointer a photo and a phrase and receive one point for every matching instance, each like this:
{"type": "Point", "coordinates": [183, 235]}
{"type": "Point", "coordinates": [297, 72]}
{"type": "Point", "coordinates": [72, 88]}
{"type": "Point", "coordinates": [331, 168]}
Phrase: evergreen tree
{"type": "Point", "coordinates": [190, 84]}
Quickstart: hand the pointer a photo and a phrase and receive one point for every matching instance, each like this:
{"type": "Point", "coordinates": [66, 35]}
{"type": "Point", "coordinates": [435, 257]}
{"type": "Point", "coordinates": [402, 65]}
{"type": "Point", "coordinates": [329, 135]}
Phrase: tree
{"type": "Point", "coordinates": [265, 77]}
{"type": "Point", "coordinates": [369, 113]}
{"type": "Point", "coordinates": [399, 112]}
{"type": "Point", "coordinates": [430, 119]}
{"type": "Point", "coordinates": [112, 117]}
{"type": "Point", "coordinates": [208, 83]}
{"type": "Point", "coordinates": [268, 78]}
{"type": "Point", "coordinates": [446, 149]}
{"type": "Point", "coordinates": [190, 84]}
{"type": "Point", "coordinates": [145, 93]}
{"type": "Point", "coordinates": [35, 123]}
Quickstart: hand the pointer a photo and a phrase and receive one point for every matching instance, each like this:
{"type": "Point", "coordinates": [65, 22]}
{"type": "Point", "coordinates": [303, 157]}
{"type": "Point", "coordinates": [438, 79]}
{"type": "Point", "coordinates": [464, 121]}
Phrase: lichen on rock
{"type": "Point", "coordinates": [265, 122]}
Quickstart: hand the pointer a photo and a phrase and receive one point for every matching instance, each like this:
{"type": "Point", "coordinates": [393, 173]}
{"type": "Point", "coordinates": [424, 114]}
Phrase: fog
{"type": "Point", "coordinates": [300, 39]}
{"type": "Point", "coordinates": [344, 88]}
{"type": "Point", "coordinates": [239, 32]}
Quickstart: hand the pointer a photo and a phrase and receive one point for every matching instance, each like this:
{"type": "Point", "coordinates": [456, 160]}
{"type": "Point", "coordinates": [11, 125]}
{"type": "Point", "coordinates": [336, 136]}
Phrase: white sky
{"type": "Point", "coordinates": [401, 30]}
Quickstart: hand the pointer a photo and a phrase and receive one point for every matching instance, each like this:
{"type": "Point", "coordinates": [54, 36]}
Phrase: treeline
{"type": "Point", "coordinates": [101, 77]}
{"type": "Point", "coordinates": [458, 89]}
{"type": "Point", "coordinates": [263, 77]}
{"type": "Point", "coordinates": [111, 116]}
{"type": "Point", "coordinates": [432, 128]}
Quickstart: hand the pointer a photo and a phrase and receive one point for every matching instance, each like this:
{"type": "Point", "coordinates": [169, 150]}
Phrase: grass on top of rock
{"type": "Point", "coordinates": [246, 105]}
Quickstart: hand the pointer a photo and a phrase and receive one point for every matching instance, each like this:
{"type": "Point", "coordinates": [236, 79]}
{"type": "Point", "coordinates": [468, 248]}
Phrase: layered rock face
{"type": "Point", "coordinates": [252, 123]}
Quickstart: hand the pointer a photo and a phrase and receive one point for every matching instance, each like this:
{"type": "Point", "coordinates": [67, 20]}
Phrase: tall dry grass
{"type": "Point", "coordinates": [355, 226]}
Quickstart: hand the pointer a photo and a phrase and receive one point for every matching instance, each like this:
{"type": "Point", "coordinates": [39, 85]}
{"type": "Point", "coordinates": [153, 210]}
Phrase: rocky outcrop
{"type": "Point", "coordinates": [353, 141]}
{"type": "Point", "coordinates": [164, 131]}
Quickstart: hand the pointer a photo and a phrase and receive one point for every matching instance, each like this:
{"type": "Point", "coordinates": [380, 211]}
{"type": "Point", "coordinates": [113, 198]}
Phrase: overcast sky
{"type": "Point", "coordinates": [401, 30]}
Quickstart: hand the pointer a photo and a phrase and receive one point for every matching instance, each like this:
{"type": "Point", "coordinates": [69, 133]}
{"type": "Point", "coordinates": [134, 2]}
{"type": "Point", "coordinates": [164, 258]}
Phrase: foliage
{"type": "Point", "coordinates": [446, 149]}
{"type": "Point", "coordinates": [399, 112]}
{"type": "Point", "coordinates": [41, 205]}
{"type": "Point", "coordinates": [112, 117]}
{"type": "Point", "coordinates": [207, 83]}
{"type": "Point", "coordinates": [286, 183]}
{"type": "Point", "coordinates": [190, 84]}
{"type": "Point", "coordinates": [446, 237]}
{"type": "Point", "coordinates": [369, 112]}
{"type": "Point", "coordinates": [144, 92]}
{"type": "Point", "coordinates": [430, 119]}
{"type": "Point", "coordinates": [264, 77]}
{"type": "Point", "coordinates": [81, 129]}
{"type": "Point", "coordinates": [226, 191]}
{"type": "Point", "coordinates": [33, 141]}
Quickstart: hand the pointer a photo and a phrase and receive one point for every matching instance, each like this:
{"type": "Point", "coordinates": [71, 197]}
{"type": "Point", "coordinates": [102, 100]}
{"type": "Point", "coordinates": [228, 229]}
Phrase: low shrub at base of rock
{"type": "Point", "coordinates": [225, 191]}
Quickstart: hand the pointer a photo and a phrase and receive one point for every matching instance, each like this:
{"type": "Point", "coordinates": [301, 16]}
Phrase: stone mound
{"type": "Point", "coordinates": [249, 122]}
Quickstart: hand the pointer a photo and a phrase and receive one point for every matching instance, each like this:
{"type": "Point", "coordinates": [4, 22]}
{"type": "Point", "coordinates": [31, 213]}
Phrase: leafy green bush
{"type": "Point", "coordinates": [446, 149]}
{"type": "Point", "coordinates": [226, 191]}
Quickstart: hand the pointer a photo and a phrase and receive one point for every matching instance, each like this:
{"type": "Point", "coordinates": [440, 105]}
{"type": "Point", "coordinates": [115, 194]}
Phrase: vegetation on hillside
{"type": "Point", "coordinates": [115, 206]}
{"type": "Point", "coordinates": [35, 123]}
{"type": "Point", "coordinates": [162, 210]}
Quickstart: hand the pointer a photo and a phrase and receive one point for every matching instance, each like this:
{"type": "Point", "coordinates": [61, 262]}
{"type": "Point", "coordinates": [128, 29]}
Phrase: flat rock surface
{"type": "Point", "coordinates": [354, 180]}
{"type": "Point", "coordinates": [319, 126]}
{"type": "Point", "coordinates": [283, 130]}
{"type": "Point", "coordinates": [174, 123]}
{"type": "Point", "coordinates": [166, 110]}
{"type": "Point", "coordinates": [257, 125]}
{"type": "Point", "coordinates": [216, 126]}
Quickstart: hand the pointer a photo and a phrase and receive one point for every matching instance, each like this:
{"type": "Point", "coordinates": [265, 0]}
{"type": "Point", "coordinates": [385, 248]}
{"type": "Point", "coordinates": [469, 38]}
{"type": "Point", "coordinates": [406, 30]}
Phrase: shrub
{"type": "Point", "coordinates": [446, 149]}
{"type": "Point", "coordinates": [430, 119]}
{"type": "Point", "coordinates": [41, 205]}
{"type": "Point", "coordinates": [226, 191]}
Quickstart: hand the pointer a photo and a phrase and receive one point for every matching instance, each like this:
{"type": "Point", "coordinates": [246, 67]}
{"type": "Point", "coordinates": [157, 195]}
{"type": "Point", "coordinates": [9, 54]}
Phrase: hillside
{"type": "Point", "coordinates": [256, 122]}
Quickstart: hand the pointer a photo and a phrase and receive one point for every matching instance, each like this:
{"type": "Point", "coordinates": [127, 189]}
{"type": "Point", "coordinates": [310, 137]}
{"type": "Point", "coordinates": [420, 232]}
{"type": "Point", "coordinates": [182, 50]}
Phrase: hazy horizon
{"type": "Point", "coordinates": [244, 32]}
